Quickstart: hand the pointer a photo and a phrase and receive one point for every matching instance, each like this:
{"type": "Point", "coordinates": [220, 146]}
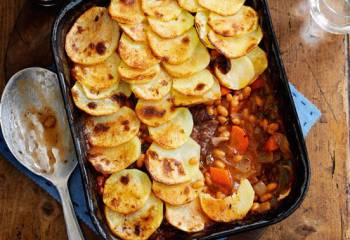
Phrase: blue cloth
{"type": "Point", "coordinates": [308, 116]}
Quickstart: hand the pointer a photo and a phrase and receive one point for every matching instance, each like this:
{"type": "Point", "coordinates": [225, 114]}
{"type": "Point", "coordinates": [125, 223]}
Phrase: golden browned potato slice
{"type": "Point", "coordinates": [234, 207]}
{"type": "Point", "coordinates": [259, 60]}
{"type": "Point", "coordinates": [188, 217]}
{"type": "Point", "coordinates": [196, 63]}
{"type": "Point", "coordinates": [127, 191]}
{"type": "Point", "coordinates": [112, 130]}
{"type": "Point", "coordinates": [136, 75]}
{"type": "Point", "coordinates": [201, 23]}
{"type": "Point", "coordinates": [174, 166]}
{"type": "Point", "coordinates": [100, 76]}
{"type": "Point", "coordinates": [240, 75]}
{"type": "Point", "coordinates": [190, 5]}
{"type": "Point", "coordinates": [136, 32]}
{"type": "Point", "coordinates": [194, 85]}
{"type": "Point", "coordinates": [126, 11]}
{"type": "Point", "coordinates": [117, 89]}
{"type": "Point", "coordinates": [180, 99]}
{"type": "Point", "coordinates": [224, 7]}
{"type": "Point", "coordinates": [136, 54]}
{"type": "Point", "coordinates": [156, 112]}
{"type": "Point", "coordinates": [175, 132]}
{"type": "Point", "coordinates": [96, 107]}
{"type": "Point", "coordinates": [244, 21]}
{"type": "Point", "coordinates": [176, 50]}
{"type": "Point", "coordinates": [93, 37]}
{"type": "Point", "coordinates": [108, 160]}
{"type": "Point", "coordinates": [155, 89]}
{"type": "Point", "coordinates": [234, 47]}
{"type": "Point", "coordinates": [139, 225]}
{"type": "Point", "coordinates": [172, 28]}
{"type": "Point", "coordinates": [180, 193]}
{"type": "Point", "coordinates": [165, 10]}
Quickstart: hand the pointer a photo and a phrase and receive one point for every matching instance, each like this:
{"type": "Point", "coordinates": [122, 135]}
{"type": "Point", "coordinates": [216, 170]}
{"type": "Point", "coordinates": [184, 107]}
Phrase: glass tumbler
{"type": "Point", "coordinates": [331, 15]}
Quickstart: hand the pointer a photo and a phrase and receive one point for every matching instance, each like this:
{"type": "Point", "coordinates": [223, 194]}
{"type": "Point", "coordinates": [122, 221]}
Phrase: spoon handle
{"type": "Point", "coordinates": [72, 225]}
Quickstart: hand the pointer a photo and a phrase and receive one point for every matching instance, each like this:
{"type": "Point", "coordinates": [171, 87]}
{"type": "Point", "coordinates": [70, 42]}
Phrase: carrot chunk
{"type": "Point", "coordinates": [271, 144]}
{"type": "Point", "coordinates": [221, 176]}
{"type": "Point", "coordinates": [239, 139]}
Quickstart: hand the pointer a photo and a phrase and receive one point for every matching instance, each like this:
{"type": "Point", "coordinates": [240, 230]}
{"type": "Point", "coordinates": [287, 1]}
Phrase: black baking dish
{"type": "Point", "coordinates": [279, 79]}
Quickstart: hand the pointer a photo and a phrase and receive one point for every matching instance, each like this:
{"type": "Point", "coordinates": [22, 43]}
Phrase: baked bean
{"type": "Point", "coordinates": [222, 111]}
{"type": "Point", "coordinates": [219, 164]}
{"type": "Point", "coordinates": [252, 118]}
{"type": "Point", "coordinates": [236, 121]}
{"type": "Point", "coordinates": [210, 110]}
{"type": "Point", "coordinates": [266, 206]}
{"type": "Point", "coordinates": [220, 195]}
{"type": "Point", "coordinates": [259, 101]}
{"type": "Point", "coordinates": [222, 120]}
{"type": "Point", "coordinates": [255, 206]}
{"type": "Point", "coordinates": [140, 161]}
{"type": "Point", "coordinates": [272, 128]}
{"type": "Point", "coordinates": [218, 153]}
{"type": "Point", "coordinates": [245, 112]}
{"type": "Point", "coordinates": [222, 129]}
{"type": "Point", "coordinates": [237, 158]}
{"type": "Point", "coordinates": [208, 180]}
{"type": "Point", "coordinates": [198, 184]}
{"type": "Point", "coordinates": [225, 134]}
{"type": "Point", "coordinates": [266, 197]}
{"type": "Point", "coordinates": [271, 186]}
{"type": "Point", "coordinates": [229, 97]}
{"type": "Point", "coordinates": [246, 92]}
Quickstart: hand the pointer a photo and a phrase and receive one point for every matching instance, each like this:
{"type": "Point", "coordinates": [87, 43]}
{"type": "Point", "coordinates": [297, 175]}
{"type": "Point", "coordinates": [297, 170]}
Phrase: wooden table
{"type": "Point", "coordinates": [317, 63]}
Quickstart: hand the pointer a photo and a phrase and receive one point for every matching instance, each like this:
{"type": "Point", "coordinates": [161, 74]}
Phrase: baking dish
{"type": "Point", "coordinates": [279, 81]}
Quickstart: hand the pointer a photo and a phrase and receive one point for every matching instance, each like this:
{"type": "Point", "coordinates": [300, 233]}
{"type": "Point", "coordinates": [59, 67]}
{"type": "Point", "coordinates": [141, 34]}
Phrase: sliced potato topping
{"type": "Point", "coordinates": [175, 132]}
{"type": "Point", "coordinates": [259, 60]}
{"type": "Point", "coordinates": [156, 112]}
{"type": "Point", "coordinates": [238, 46]}
{"type": "Point", "coordinates": [136, 54]}
{"type": "Point", "coordinates": [244, 21]}
{"type": "Point", "coordinates": [188, 217]}
{"type": "Point", "coordinates": [176, 50]}
{"type": "Point", "coordinates": [234, 207]}
{"type": "Point", "coordinates": [224, 7]}
{"type": "Point", "coordinates": [164, 10]}
{"type": "Point", "coordinates": [196, 63]}
{"type": "Point", "coordinates": [201, 23]}
{"type": "Point", "coordinates": [139, 225]}
{"type": "Point", "coordinates": [128, 12]}
{"type": "Point", "coordinates": [213, 94]}
{"type": "Point", "coordinates": [108, 160]}
{"type": "Point", "coordinates": [173, 166]}
{"type": "Point", "coordinates": [190, 5]}
{"type": "Point", "coordinates": [127, 191]}
{"type": "Point", "coordinates": [156, 89]}
{"type": "Point", "coordinates": [239, 76]}
{"type": "Point", "coordinates": [180, 193]}
{"type": "Point", "coordinates": [196, 84]}
{"type": "Point", "coordinates": [172, 28]}
{"type": "Point", "coordinates": [115, 90]}
{"type": "Point", "coordinates": [93, 37]}
{"type": "Point", "coordinates": [100, 76]}
{"type": "Point", "coordinates": [112, 130]}
{"type": "Point", "coordinates": [136, 32]}
{"type": "Point", "coordinates": [96, 107]}
{"type": "Point", "coordinates": [136, 75]}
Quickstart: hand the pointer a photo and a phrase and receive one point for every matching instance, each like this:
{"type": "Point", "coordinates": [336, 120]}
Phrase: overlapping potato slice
{"type": "Point", "coordinates": [224, 7]}
{"type": "Point", "coordinates": [112, 130]}
{"type": "Point", "coordinates": [136, 32]}
{"type": "Point", "coordinates": [240, 74]}
{"type": "Point", "coordinates": [173, 166]}
{"type": "Point", "coordinates": [176, 50]}
{"type": "Point", "coordinates": [125, 11]}
{"type": "Point", "coordinates": [190, 5]}
{"type": "Point", "coordinates": [93, 37]}
{"type": "Point", "coordinates": [194, 85]}
{"type": "Point", "coordinates": [259, 60]}
{"type": "Point", "coordinates": [234, 47]}
{"type": "Point", "coordinates": [164, 10]}
{"type": "Point", "coordinates": [175, 132]}
{"type": "Point", "coordinates": [127, 191]}
{"type": "Point", "coordinates": [121, 88]}
{"type": "Point", "coordinates": [180, 99]}
{"type": "Point", "coordinates": [96, 107]}
{"type": "Point", "coordinates": [136, 54]}
{"type": "Point", "coordinates": [231, 208]}
{"type": "Point", "coordinates": [156, 89]}
{"type": "Point", "coordinates": [201, 23]}
{"type": "Point", "coordinates": [196, 63]}
{"type": "Point", "coordinates": [188, 217]}
{"type": "Point", "coordinates": [156, 112]}
{"type": "Point", "coordinates": [136, 75]}
{"type": "Point", "coordinates": [100, 76]}
{"type": "Point", "coordinates": [108, 160]}
{"type": "Point", "coordinates": [139, 225]}
{"type": "Point", "coordinates": [244, 21]}
{"type": "Point", "coordinates": [180, 193]}
{"type": "Point", "coordinates": [172, 28]}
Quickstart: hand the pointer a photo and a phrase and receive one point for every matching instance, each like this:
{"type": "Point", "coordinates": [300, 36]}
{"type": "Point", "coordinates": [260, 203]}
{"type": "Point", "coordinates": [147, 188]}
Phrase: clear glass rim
{"type": "Point", "coordinates": [335, 11]}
